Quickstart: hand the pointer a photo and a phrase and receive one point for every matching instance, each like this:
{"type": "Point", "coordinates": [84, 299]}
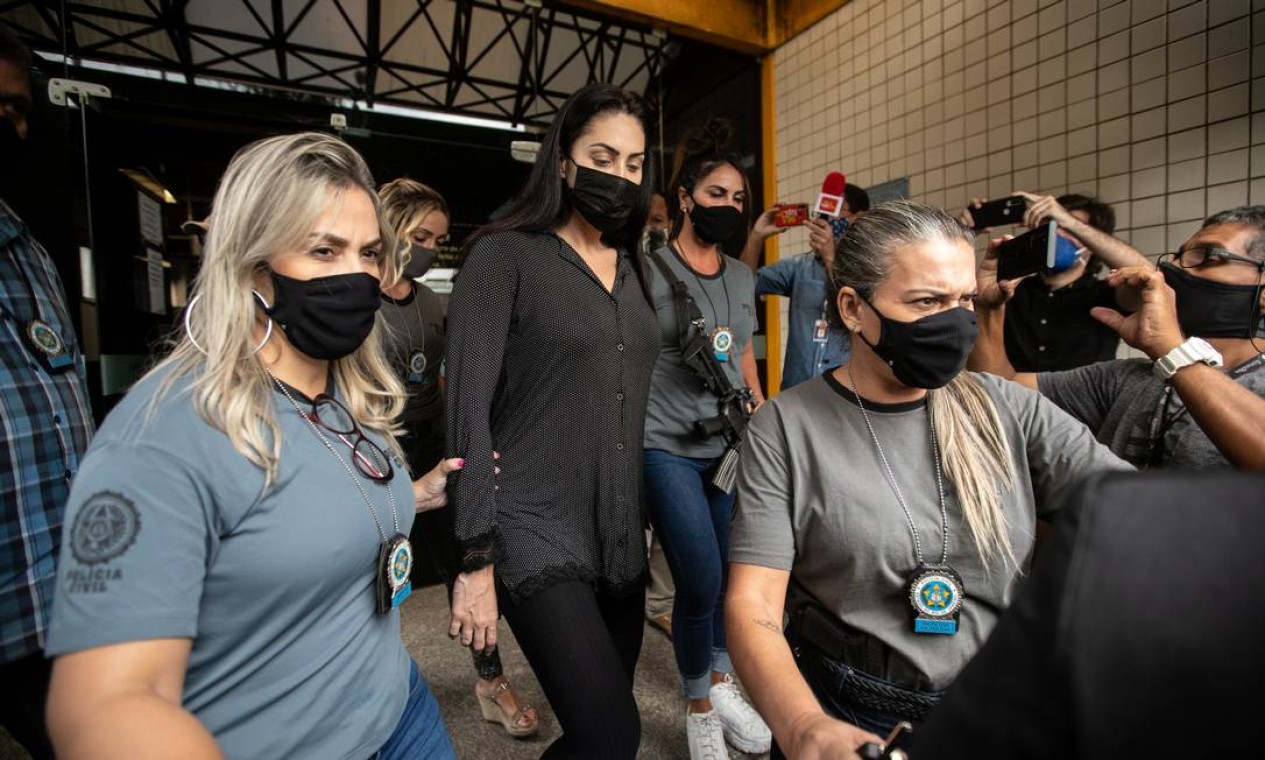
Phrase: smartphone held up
{"type": "Point", "coordinates": [998, 213]}
{"type": "Point", "coordinates": [1039, 250]}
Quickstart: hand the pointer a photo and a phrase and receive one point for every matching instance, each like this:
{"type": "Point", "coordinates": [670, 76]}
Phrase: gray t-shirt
{"type": "Point", "coordinates": [677, 397]}
{"type": "Point", "coordinates": [814, 499]}
{"type": "Point", "coordinates": [1128, 408]}
{"type": "Point", "coordinates": [170, 534]}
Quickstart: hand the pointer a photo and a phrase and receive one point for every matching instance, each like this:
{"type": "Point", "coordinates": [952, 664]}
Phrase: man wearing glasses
{"type": "Point", "coordinates": [1198, 400]}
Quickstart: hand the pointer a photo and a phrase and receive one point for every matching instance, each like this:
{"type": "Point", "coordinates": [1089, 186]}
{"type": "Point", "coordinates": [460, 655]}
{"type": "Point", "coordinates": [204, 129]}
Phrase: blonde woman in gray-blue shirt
{"type": "Point", "coordinates": [235, 548]}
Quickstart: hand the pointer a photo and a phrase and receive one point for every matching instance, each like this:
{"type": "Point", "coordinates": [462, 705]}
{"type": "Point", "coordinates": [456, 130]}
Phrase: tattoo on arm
{"type": "Point", "coordinates": [770, 625]}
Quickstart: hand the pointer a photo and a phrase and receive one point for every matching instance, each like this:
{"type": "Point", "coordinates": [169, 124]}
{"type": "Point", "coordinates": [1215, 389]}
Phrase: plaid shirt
{"type": "Point", "coordinates": [45, 423]}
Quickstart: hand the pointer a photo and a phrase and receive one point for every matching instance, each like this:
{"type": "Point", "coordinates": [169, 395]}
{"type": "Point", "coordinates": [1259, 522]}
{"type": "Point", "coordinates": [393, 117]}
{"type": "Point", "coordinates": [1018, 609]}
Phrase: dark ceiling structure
{"type": "Point", "coordinates": [500, 59]}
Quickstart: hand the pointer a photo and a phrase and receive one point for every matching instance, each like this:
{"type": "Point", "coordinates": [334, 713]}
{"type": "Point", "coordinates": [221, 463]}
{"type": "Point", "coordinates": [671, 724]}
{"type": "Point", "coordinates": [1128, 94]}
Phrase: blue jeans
{"type": "Point", "coordinates": [691, 517]}
{"type": "Point", "coordinates": [421, 731]}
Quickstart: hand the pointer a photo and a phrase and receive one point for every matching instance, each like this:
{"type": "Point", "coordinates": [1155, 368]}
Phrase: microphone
{"type": "Point", "coordinates": [830, 200]}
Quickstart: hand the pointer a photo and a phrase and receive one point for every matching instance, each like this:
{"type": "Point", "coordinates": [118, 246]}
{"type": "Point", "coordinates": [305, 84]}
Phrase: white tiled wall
{"type": "Point", "coordinates": [1155, 106]}
{"type": "Point", "coordinates": [1147, 103]}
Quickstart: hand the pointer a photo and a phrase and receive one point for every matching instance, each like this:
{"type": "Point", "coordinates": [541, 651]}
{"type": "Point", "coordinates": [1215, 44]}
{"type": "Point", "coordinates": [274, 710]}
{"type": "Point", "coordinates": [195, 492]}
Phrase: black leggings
{"type": "Point", "coordinates": [583, 648]}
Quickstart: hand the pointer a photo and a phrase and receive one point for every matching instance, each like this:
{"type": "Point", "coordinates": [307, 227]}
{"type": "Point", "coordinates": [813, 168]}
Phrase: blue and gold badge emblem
{"type": "Point", "coordinates": [395, 569]}
{"type": "Point", "coordinates": [48, 344]}
{"type": "Point", "coordinates": [400, 567]}
{"type": "Point", "coordinates": [722, 343]}
{"type": "Point", "coordinates": [935, 593]}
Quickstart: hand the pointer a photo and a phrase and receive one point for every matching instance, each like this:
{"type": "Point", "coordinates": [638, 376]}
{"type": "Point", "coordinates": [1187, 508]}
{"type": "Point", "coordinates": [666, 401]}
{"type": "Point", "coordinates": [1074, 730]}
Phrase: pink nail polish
{"type": "Point", "coordinates": [461, 463]}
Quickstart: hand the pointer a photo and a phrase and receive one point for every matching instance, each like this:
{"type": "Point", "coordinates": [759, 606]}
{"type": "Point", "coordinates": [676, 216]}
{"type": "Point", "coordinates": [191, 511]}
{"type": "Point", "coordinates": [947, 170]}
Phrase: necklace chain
{"type": "Point", "coordinates": [891, 479]}
{"type": "Point", "coordinates": [420, 319]}
{"type": "Point", "coordinates": [395, 517]}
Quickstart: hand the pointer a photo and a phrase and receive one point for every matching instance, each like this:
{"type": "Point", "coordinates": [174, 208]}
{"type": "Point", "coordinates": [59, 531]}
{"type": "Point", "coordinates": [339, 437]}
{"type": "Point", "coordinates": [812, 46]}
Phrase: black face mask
{"type": "Point", "coordinates": [715, 224]}
{"type": "Point", "coordinates": [928, 352]}
{"type": "Point", "coordinates": [606, 201]}
{"type": "Point", "coordinates": [1210, 309]}
{"type": "Point", "coordinates": [420, 261]}
{"type": "Point", "coordinates": [325, 317]}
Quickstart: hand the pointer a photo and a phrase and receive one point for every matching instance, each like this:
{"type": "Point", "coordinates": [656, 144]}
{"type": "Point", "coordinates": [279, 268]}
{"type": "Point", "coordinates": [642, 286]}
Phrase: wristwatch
{"type": "Point", "coordinates": [1191, 351]}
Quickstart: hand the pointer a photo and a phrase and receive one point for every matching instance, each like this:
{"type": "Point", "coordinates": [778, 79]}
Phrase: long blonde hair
{"type": "Point", "coordinates": [972, 440]}
{"type": "Point", "coordinates": [267, 202]}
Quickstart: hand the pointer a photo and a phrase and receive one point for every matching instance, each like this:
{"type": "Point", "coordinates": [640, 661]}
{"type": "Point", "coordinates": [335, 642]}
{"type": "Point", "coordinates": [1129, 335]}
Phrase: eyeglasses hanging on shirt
{"type": "Point", "coordinates": [329, 414]}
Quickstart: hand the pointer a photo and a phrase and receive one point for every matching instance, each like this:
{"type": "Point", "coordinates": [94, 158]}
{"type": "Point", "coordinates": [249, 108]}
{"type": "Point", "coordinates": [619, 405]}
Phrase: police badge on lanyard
{"type": "Point", "coordinates": [42, 341]}
{"type": "Point", "coordinates": [935, 593]}
{"type": "Point", "coordinates": [47, 346]}
{"type": "Point", "coordinates": [722, 343]}
{"type": "Point", "coordinates": [417, 368]}
{"type": "Point", "coordinates": [395, 567]}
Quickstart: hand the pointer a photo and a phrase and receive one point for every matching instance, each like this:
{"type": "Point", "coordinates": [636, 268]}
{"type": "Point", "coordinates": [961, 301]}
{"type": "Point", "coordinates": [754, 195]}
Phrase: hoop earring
{"type": "Point", "coordinates": [189, 332]}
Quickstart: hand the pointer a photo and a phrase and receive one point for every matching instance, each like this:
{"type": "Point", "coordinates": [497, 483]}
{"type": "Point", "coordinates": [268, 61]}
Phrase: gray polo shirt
{"type": "Point", "coordinates": [170, 534]}
{"type": "Point", "coordinates": [677, 397]}
{"type": "Point", "coordinates": [814, 499]}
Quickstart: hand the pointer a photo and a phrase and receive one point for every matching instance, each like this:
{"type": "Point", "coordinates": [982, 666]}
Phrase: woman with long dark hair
{"type": "Point", "coordinates": [689, 509]}
{"type": "Point", "coordinates": [551, 345]}
{"type": "Point", "coordinates": [415, 343]}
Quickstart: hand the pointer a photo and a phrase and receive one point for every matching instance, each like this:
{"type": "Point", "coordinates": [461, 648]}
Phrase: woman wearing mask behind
{"type": "Point", "coordinates": [895, 566]}
{"type": "Point", "coordinates": [415, 345]}
{"type": "Point", "coordinates": [689, 511]}
{"type": "Point", "coordinates": [551, 344]}
{"type": "Point", "coordinates": [235, 541]}
{"type": "Point", "coordinates": [414, 317]}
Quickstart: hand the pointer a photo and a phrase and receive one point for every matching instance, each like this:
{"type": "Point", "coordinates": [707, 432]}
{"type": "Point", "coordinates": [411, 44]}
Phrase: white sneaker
{"type": "Point", "coordinates": [743, 726]}
{"type": "Point", "coordinates": [706, 736]}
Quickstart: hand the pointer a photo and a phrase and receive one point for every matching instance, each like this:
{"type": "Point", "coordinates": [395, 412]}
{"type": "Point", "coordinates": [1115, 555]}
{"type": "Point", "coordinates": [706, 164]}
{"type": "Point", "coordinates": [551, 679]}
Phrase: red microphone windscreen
{"type": "Point", "coordinates": [834, 184]}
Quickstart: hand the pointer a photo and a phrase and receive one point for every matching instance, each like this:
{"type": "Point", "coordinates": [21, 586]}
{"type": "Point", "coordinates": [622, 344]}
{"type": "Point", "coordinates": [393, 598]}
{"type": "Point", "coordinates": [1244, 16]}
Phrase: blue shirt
{"type": "Point", "coordinates": [803, 279]}
{"type": "Point", "coordinates": [45, 423]}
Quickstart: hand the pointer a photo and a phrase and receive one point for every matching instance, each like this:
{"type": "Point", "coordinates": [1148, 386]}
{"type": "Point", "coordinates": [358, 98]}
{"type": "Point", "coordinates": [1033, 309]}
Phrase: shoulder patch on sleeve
{"type": "Point", "coordinates": [105, 528]}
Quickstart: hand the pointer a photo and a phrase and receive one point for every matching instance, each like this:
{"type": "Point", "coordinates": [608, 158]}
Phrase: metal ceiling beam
{"type": "Point", "coordinates": [373, 49]}
{"type": "Point", "coordinates": [595, 49]}
{"type": "Point", "coordinates": [277, 28]}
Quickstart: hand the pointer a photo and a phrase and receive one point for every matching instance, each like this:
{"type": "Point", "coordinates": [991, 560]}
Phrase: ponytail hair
{"type": "Point", "coordinates": [976, 461]}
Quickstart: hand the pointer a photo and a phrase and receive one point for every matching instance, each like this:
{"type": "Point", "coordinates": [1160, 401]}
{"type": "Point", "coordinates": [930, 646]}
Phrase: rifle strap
{"type": "Point", "coordinates": [687, 312]}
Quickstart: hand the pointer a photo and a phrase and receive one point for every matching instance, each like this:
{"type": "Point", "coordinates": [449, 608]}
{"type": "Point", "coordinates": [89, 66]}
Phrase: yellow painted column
{"type": "Point", "coordinates": [768, 149]}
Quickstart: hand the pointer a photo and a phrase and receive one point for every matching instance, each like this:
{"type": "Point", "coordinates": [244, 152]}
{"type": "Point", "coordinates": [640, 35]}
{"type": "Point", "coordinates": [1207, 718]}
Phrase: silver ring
{"type": "Point", "coordinates": [188, 331]}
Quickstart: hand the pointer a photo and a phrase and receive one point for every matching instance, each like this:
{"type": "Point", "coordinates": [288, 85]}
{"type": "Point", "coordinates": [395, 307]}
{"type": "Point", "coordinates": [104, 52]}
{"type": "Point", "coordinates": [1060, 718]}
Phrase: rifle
{"type": "Point", "coordinates": [733, 404]}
